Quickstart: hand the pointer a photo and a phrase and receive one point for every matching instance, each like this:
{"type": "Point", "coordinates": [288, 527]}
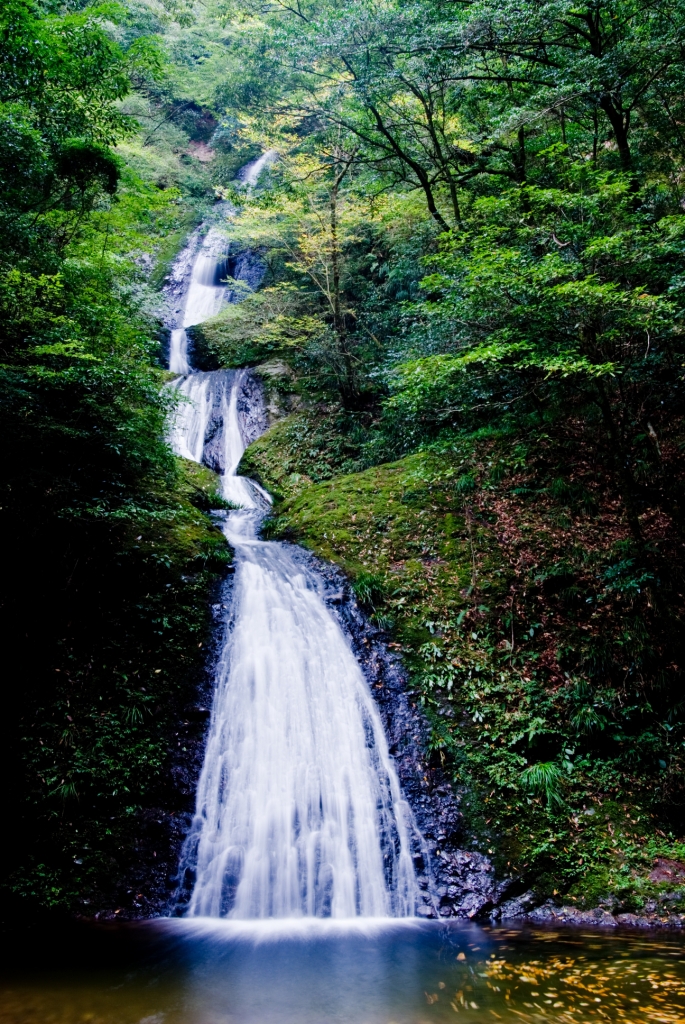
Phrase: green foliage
{"type": "Point", "coordinates": [470, 335]}
{"type": "Point", "coordinates": [62, 74]}
{"type": "Point", "coordinates": [531, 325]}
{"type": "Point", "coordinates": [545, 778]}
{"type": "Point", "coordinates": [369, 588]}
{"type": "Point", "coordinates": [303, 448]}
{"type": "Point", "coordinates": [555, 296]}
{"type": "Point", "coordinates": [266, 325]}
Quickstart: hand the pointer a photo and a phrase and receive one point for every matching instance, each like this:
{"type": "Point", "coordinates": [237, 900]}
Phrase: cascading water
{"type": "Point", "coordinates": [207, 289]}
{"type": "Point", "coordinates": [205, 297]}
{"type": "Point", "coordinates": [192, 416]}
{"type": "Point", "coordinates": [299, 809]}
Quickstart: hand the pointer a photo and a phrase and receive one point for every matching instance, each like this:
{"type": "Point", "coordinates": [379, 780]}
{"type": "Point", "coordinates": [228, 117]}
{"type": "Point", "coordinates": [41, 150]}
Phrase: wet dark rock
{"type": "Point", "coordinates": [220, 384]}
{"type": "Point", "coordinates": [250, 409]}
{"type": "Point", "coordinates": [248, 268]}
{"type": "Point", "coordinates": [164, 346]}
{"type": "Point", "coordinates": [550, 914]}
{"type": "Point", "coordinates": [651, 921]}
{"type": "Point", "coordinates": [253, 419]}
{"type": "Point", "coordinates": [598, 917]}
{"type": "Point", "coordinates": [516, 906]}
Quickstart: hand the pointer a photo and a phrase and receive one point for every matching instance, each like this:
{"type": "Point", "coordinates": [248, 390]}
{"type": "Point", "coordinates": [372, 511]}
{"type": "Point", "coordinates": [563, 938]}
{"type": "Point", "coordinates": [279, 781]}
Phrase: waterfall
{"type": "Point", "coordinates": [207, 290]}
{"type": "Point", "coordinates": [249, 174]}
{"type": "Point", "coordinates": [299, 809]}
{"type": "Point", "coordinates": [189, 426]}
{"type": "Point", "coordinates": [204, 299]}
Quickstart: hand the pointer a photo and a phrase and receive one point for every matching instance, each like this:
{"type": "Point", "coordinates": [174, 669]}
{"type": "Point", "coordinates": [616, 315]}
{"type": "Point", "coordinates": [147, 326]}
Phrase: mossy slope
{"type": "Point", "coordinates": [512, 603]}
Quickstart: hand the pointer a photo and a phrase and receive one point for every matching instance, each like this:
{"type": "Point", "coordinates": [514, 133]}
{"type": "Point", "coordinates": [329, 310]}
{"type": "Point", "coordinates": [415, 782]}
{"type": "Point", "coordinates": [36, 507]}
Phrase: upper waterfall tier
{"type": "Point", "coordinates": [209, 267]}
{"type": "Point", "coordinates": [206, 294]}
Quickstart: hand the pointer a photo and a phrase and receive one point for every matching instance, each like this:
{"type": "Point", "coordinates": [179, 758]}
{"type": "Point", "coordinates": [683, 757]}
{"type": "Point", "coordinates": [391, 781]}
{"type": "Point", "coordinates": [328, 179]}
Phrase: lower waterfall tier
{"type": "Point", "coordinates": [299, 809]}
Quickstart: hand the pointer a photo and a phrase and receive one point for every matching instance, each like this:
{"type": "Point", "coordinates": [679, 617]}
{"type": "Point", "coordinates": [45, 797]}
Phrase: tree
{"type": "Point", "coordinates": [310, 218]}
{"type": "Point", "coordinates": [557, 302]}
{"type": "Point", "coordinates": [61, 77]}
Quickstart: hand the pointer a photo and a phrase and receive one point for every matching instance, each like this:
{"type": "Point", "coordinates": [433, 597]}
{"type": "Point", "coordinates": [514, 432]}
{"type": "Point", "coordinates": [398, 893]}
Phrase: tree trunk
{"type": "Point", "coordinates": [349, 390]}
{"type": "Point", "coordinates": [418, 170]}
{"type": "Point", "coordinates": [521, 156]}
{"type": "Point", "coordinates": [620, 130]}
{"type": "Point", "coordinates": [620, 457]}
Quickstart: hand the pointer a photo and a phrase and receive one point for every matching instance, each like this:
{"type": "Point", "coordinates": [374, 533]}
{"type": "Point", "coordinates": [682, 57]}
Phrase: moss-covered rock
{"type": "Point", "coordinates": [266, 325]}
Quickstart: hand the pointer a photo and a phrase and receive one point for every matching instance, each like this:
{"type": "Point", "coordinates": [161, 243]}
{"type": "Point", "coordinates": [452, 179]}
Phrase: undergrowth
{"type": "Point", "coordinates": [116, 648]}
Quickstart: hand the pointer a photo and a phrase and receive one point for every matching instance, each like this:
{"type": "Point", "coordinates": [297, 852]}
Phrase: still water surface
{"type": "Point", "coordinates": [217, 972]}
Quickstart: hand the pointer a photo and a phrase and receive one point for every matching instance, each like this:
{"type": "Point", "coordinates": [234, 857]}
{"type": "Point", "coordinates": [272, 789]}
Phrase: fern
{"type": "Point", "coordinates": [545, 779]}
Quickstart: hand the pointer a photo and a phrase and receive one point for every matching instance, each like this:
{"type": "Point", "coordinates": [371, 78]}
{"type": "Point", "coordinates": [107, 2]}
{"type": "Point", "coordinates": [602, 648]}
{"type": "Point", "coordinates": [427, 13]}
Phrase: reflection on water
{"type": "Point", "coordinates": [209, 972]}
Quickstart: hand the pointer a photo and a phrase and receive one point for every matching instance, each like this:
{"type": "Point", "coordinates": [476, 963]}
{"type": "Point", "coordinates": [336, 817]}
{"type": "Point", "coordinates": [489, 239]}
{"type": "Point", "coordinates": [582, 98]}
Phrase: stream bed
{"type": "Point", "coordinates": [203, 971]}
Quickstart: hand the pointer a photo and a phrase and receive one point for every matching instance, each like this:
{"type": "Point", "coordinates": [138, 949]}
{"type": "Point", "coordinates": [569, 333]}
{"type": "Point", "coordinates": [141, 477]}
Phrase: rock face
{"type": "Point", "coordinates": [220, 383]}
{"type": "Point", "coordinates": [251, 410]}
{"type": "Point", "coordinates": [178, 279]}
{"type": "Point", "coordinates": [246, 267]}
{"type": "Point", "coordinates": [454, 882]}
{"type": "Point", "coordinates": [599, 917]}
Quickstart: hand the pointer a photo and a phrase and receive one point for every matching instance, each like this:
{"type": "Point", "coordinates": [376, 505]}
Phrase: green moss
{"type": "Point", "coordinates": [299, 450]}
{"type": "Point", "coordinates": [264, 325]}
{"type": "Point", "coordinates": [201, 486]}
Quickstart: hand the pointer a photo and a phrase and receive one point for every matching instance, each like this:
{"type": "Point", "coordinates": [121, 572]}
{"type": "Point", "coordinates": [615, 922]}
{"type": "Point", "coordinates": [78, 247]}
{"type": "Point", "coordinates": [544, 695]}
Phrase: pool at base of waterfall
{"type": "Point", "coordinates": [205, 971]}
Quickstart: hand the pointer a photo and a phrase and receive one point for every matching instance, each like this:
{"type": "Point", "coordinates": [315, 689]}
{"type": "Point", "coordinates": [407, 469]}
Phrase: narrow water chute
{"type": "Point", "coordinates": [206, 294]}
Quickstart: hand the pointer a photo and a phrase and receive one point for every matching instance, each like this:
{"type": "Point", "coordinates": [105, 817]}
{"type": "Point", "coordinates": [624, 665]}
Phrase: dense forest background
{"type": "Point", "coordinates": [470, 332]}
